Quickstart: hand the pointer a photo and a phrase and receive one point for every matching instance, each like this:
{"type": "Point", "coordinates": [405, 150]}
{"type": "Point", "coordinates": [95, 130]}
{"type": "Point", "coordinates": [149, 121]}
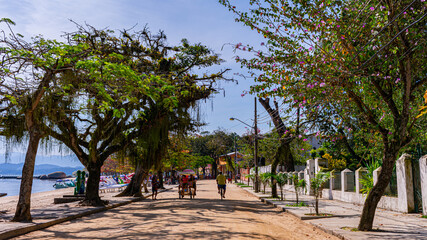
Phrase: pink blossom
{"type": "Point", "coordinates": [299, 136]}
{"type": "Point", "coordinates": [304, 139]}
{"type": "Point", "coordinates": [372, 8]}
{"type": "Point", "coordinates": [322, 84]}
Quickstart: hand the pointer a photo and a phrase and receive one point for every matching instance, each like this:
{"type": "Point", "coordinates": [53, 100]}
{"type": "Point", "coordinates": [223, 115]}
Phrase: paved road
{"type": "Point", "coordinates": [239, 216]}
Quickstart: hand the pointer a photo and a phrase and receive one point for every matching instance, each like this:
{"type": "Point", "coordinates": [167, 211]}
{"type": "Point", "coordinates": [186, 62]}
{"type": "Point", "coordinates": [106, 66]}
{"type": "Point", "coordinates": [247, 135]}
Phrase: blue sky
{"type": "Point", "coordinates": [204, 21]}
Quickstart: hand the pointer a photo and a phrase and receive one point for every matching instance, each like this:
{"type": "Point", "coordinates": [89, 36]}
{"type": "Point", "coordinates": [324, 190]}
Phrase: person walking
{"type": "Point", "coordinates": [154, 187]}
{"type": "Point", "coordinates": [221, 180]}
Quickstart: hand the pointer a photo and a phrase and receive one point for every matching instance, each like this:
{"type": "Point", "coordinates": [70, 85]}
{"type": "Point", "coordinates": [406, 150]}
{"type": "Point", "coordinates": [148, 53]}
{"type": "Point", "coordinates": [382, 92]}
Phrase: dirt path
{"type": "Point", "coordinates": [239, 216]}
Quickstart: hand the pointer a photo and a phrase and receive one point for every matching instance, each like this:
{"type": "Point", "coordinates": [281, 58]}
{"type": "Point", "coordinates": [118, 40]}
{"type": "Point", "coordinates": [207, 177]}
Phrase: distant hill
{"type": "Point", "coordinates": [16, 169]}
{"type": "Point", "coordinates": [59, 160]}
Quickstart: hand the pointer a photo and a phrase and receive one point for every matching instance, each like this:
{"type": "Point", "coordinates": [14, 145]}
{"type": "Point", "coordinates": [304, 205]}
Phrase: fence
{"type": "Point", "coordinates": [401, 195]}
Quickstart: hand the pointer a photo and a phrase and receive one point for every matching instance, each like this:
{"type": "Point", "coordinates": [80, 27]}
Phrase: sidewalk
{"type": "Point", "coordinates": [346, 216]}
{"type": "Point", "coordinates": [58, 213]}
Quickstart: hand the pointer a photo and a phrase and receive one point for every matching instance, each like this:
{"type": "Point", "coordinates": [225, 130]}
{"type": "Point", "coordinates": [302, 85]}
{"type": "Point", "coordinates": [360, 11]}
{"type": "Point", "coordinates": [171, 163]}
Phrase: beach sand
{"type": "Point", "coordinates": [38, 200]}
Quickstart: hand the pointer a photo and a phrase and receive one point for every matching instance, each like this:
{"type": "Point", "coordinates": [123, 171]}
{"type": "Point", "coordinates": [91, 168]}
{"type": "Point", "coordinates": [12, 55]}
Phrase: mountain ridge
{"type": "Point", "coordinates": [15, 169]}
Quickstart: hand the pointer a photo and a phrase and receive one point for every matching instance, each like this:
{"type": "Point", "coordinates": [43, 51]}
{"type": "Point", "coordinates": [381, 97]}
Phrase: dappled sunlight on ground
{"type": "Point", "coordinates": [239, 216]}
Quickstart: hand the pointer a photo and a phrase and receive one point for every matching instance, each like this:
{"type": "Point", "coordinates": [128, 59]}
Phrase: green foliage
{"type": "Point", "coordinates": [300, 204]}
{"type": "Point", "coordinates": [265, 179]}
{"type": "Point", "coordinates": [281, 179]}
{"type": "Point", "coordinates": [300, 151]}
{"type": "Point", "coordinates": [337, 164]}
{"type": "Point", "coordinates": [321, 151]}
{"type": "Point", "coordinates": [317, 183]}
{"type": "Point", "coordinates": [313, 153]}
{"type": "Point", "coordinates": [267, 147]}
{"type": "Point", "coordinates": [298, 184]}
{"type": "Point", "coordinates": [367, 180]}
{"type": "Point", "coordinates": [7, 20]}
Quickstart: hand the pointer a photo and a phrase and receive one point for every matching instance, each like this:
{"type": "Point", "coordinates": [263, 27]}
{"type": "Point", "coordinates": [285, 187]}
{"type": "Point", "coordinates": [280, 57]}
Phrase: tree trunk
{"type": "Point", "coordinates": [214, 169]}
{"type": "Point", "coordinates": [160, 177]}
{"type": "Point", "coordinates": [284, 156]}
{"type": "Point", "coordinates": [134, 187]}
{"type": "Point", "coordinates": [144, 183]}
{"type": "Point", "coordinates": [281, 193]}
{"type": "Point", "coordinates": [296, 194]}
{"type": "Point", "coordinates": [368, 212]}
{"type": "Point", "coordinates": [92, 189]}
{"type": "Point", "coordinates": [317, 205]}
{"type": "Point", "coordinates": [22, 213]}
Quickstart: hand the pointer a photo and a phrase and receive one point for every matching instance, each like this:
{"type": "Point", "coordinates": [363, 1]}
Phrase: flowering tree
{"type": "Point", "coordinates": [344, 62]}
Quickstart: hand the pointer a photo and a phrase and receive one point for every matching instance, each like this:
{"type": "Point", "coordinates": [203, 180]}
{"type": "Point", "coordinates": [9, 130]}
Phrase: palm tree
{"type": "Point", "coordinates": [316, 185]}
{"type": "Point", "coordinates": [249, 176]}
{"type": "Point", "coordinates": [298, 184]}
{"type": "Point", "coordinates": [265, 179]}
{"type": "Point", "coordinates": [281, 179]}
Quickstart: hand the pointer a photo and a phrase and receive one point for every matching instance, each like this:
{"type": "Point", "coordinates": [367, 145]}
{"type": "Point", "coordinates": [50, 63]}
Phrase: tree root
{"type": "Point", "coordinates": [94, 202]}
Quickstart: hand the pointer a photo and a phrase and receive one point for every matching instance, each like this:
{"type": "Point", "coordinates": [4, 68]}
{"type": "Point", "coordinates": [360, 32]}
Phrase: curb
{"type": "Point", "coordinates": [269, 202]}
{"type": "Point", "coordinates": [35, 227]}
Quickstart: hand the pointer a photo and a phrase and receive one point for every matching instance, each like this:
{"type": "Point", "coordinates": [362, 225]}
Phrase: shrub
{"type": "Point", "coordinates": [338, 164]}
{"type": "Point", "coordinates": [313, 153]}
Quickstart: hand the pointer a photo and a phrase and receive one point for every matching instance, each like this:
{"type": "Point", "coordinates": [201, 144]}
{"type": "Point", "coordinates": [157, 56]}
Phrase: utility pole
{"type": "Point", "coordinates": [235, 159]}
{"type": "Point", "coordinates": [256, 150]}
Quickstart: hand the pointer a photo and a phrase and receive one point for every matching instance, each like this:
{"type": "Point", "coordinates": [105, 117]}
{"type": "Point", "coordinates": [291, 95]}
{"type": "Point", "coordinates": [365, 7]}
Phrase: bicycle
{"type": "Point", "coordinates": [221, 192]}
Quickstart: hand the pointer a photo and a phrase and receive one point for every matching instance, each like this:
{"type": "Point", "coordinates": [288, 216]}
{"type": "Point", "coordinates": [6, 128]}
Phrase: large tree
{"type": "Point", "coordinates": [28, 72]}
{"type": "Point", "coordinates": [186, 88]}
{"type": "Point", "coordinates": [364, 60]}
{"type": "Point", "coordinates": [102, 108]}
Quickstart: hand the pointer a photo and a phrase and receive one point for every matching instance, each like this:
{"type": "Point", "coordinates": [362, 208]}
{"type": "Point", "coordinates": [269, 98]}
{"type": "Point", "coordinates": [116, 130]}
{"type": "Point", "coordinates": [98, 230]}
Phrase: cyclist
{"type": "Point", "coordinates": [221, 181]}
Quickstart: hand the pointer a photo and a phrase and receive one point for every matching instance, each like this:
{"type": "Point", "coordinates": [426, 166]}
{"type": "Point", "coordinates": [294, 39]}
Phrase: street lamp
{"type": "Point", "coordinates": [255, 151]}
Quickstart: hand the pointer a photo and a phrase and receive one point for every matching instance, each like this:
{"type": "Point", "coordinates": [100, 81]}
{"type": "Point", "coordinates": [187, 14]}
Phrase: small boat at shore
{"type": "Point", "coordinates": [64, 184]}
{"type": "Point", "coordinates": [3, 194]}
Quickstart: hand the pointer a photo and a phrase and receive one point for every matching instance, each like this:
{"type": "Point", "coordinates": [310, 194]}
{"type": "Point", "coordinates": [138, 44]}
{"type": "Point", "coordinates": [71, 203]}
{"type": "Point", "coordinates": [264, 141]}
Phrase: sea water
{"type": "Point", "coordinates": [11, 186]}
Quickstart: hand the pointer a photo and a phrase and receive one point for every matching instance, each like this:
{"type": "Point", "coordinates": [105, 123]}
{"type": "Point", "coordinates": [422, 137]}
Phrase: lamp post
{"type": "Point", "coordinates": [235, 159]}
{"type": "Point", "coordinates": [255, 146]}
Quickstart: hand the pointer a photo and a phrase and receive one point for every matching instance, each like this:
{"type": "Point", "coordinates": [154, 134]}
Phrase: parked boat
{"type": "Point", "coordinates": [63, 184]}
{"type": "Point", "coordinates": [3, 194]}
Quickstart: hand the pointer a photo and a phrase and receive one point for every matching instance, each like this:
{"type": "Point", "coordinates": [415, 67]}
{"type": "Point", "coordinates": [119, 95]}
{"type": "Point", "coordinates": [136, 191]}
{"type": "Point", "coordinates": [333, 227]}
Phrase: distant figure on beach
{"type": "Point", "coordinates": [154, 186]}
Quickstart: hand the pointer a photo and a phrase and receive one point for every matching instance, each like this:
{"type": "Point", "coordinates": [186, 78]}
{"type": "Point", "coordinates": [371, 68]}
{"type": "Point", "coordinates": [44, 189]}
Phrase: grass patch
{"type": "Point", "coordinates": [350, 229]}
{"type": "Point", "coordinates": [301, 204]}
{"type": "Point", "coordinates": [320, 214]}
{"type": "Point", "coordinates": [244, 186]}
{"type": "Point", "coordinates": [424, 216]}
{"type": "Point", "coordinates": [240, 184]}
